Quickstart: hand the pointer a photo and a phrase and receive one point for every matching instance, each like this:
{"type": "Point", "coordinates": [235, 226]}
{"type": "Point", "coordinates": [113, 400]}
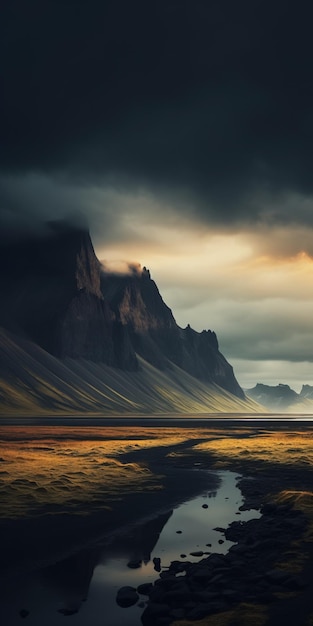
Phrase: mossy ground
{"type": "Point", "coordinates": [243, 615]}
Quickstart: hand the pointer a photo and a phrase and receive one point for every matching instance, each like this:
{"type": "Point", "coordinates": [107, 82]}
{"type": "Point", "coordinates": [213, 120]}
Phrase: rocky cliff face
{"type": "Point", "coordinates": [139, 308]}
{"type": "Point", "coordinates": [202, 359]}
{"type": "Point", "coordinates": [51, 294]}
{"type": "Point", "coordinates": [56, 294]}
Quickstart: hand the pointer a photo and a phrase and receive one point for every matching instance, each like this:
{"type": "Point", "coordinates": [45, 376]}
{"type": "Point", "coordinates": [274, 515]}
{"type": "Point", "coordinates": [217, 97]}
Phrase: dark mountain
{"type": "Point", "coordinates": [55, 293]}
{"type": "Point", "coordinates": [306, 392]}
{"type": "Point", "coordinates": [283, 399]}
{"type": "Point", "coordinates": [51, 295]}
{"type": "Point", "coordinates": [202, 359]}
{"type": "Point", "coordinates": [274, 398]}
{"type": "Point", "coordinates": [154, 334]}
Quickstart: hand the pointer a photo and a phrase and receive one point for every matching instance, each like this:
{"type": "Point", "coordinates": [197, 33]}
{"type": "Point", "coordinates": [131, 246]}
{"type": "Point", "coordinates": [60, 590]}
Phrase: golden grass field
{"type": "Point", "coordinates": [80, 470]}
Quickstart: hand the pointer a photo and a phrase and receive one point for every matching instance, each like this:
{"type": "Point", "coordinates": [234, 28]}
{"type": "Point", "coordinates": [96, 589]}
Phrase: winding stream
{"type": "Point", "coordinates": [83, 590]}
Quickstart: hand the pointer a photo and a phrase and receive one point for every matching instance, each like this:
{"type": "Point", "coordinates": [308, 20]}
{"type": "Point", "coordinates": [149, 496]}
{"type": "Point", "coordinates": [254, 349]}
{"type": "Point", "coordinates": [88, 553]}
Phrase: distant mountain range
{"type": "Point", "coordinates": [282, 398]}
{"type": "Point", "coordinates": [76, 338]}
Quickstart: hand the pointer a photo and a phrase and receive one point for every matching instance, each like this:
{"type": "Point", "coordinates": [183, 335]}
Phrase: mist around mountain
{"type": "Point", "coordinates": [78, 338]}
{"type": "Point", "coordinates": [281, 398]}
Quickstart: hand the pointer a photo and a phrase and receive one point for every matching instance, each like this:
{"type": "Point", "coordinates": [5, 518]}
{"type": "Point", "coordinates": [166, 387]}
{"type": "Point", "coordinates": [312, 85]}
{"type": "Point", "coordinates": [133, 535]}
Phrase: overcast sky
{"type": "Point", "coordinates": [182, 132]}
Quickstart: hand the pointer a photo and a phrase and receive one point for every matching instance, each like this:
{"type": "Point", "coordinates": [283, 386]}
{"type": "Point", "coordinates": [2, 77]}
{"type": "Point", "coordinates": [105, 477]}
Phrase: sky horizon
{"type": "Point", "coordinates": [182, 133]}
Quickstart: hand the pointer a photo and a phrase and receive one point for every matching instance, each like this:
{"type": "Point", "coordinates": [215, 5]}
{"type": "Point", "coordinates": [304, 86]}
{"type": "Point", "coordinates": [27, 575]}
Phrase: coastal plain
{"type": "Point", "coordinates": [65, 490]}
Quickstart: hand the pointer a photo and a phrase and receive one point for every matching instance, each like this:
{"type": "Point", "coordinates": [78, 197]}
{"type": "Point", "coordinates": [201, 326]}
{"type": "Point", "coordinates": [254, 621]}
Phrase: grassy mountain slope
{"type": "Point", "coordinates": [33, 382]}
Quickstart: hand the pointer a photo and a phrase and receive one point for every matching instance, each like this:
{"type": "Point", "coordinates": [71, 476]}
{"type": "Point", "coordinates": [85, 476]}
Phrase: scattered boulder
{"type": "Point", "coordinates": [134, 563]}
{"type": "Point", "coordinates": [144, 588]}
{"type": "Point", "coordinates": [127, 596]}
{"type": "Point", "coordinates": [153, 612]}
{"type": "Point", "coordinates": [157, 564]}
{"type": "Point", "coordinates": [246, 573]}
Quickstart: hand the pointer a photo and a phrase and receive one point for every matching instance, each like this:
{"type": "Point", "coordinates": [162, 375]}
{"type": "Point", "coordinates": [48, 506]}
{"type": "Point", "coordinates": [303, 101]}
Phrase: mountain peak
{"type": "Point", "coordinates": [58, 294]}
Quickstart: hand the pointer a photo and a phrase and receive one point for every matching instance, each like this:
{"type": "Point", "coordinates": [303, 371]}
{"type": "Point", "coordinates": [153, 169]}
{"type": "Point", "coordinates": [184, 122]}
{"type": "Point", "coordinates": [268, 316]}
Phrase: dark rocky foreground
{"type": "Point", "coordinates": [270, 567]}
{"type": "Point", "coordinates": [268, 573]}
{"type": "Point", "coordinates": [246, 574]}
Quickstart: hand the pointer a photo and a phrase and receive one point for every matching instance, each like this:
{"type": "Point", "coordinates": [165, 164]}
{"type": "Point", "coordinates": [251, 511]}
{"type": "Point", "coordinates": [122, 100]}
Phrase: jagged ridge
{"type": "Point", "coordinates": [282, 398]}
{"type": "Point", "coordinates": [154, 334]}
{"type": "Point", "coordinates": [56, 294]}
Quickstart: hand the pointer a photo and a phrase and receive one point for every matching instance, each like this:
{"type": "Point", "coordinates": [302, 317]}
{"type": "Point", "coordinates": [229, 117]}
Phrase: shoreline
{"type": "Point", "coordinates": [162, 420]}
{"type": "Point", "coordinates": [265, 579]}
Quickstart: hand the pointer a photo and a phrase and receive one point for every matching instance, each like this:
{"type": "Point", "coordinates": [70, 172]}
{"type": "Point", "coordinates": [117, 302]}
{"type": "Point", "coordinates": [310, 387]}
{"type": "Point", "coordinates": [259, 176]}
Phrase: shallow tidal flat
{"type": "Point", "coordinates": [70, 494]}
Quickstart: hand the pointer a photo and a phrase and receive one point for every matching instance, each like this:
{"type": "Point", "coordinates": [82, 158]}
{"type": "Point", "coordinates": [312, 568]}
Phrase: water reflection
{"type": "Point", "coordinates": [83, 587]}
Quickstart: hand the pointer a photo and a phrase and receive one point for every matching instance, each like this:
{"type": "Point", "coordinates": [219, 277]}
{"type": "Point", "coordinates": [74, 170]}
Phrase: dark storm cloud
{"type": "Point", "coordinates": [212, 98]}
{"type": "Point", "coordinates": [28, 202]}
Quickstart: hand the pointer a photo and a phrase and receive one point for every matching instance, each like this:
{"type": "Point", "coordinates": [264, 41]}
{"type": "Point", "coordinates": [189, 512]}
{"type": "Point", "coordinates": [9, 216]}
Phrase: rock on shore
{"type": "Point", "coordinates": [248, 572]}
